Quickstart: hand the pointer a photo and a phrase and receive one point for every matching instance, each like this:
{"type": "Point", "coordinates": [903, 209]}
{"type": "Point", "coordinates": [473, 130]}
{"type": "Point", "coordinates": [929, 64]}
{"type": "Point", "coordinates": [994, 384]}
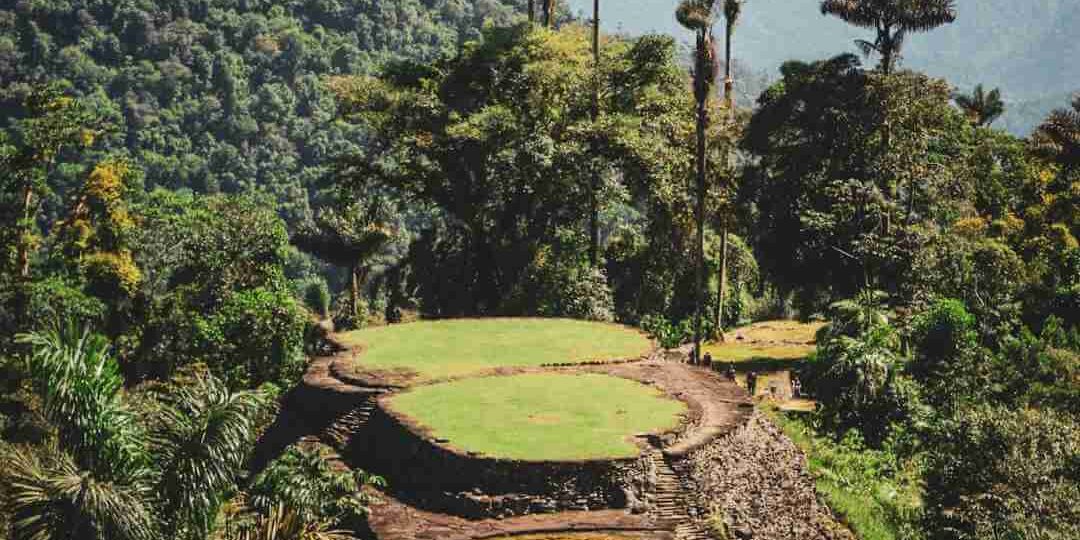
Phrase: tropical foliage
{"type": "Point", "coordinates": [210, 185]}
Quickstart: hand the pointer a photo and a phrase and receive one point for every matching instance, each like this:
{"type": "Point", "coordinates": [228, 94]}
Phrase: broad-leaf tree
{"type": "Point", "coordinates": [53, 122]}
{"type": "Point", "coordinates": [499, 141]}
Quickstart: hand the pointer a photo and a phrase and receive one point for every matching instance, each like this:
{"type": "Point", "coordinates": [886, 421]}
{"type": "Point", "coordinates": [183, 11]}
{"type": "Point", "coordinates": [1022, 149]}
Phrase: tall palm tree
{"type": "Point", "coordinates": [981, 107]}
{"type": "Point", "coordinates": [201, 438]}
{"type": "Point", "coordinates": [893, 20]}
{"type": "Point", "coordinates": [697, 16]}
{"type": "Point", "coordinates": [1058, 137]}
{"type": "Point", "coordinates": [732, 11]}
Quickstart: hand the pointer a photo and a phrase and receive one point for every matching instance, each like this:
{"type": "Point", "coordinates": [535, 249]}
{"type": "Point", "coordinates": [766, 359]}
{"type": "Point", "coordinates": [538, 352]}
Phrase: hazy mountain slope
{"type": "Point", "coordinates": [1027, 48]}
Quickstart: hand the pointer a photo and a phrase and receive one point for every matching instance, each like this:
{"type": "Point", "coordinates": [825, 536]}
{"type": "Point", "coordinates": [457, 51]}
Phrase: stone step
{"type": "Point", "coordinates": [671, 508]}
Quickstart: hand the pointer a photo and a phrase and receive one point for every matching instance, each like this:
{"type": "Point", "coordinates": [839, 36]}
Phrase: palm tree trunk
{"type": "Point", "coordinates": [532, 10]}
{"type": "Point", "coordinates": [729, 82]}
{"type": "Point", "coordinates": [888, 58]}
{"type": "Point", "coordinates": [594, 195]}
{"type": "Point", "coordinates": [549, 13]}
{"type": "Point", "coordinates": [702, 124]}
{"type": "Point", "coordinates": [722, 287]}
{"type": "Point", "coordinates": [23, 242]}
{"type": "Point", "coordinates": [729, 102]}
{"type": "Point", "coordinates": [354, 291]}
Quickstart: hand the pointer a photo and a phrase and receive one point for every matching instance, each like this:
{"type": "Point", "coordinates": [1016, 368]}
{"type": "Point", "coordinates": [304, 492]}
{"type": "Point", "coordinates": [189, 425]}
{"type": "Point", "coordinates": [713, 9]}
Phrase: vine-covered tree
{"type": "Point", "coordinates": [505, 161]}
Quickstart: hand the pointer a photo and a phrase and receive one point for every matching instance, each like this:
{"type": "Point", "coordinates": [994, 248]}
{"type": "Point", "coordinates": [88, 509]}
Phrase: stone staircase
{"type": "Point", "coordinates": [338, 433]}
{"type": "Point", "coordinates": [336, 436]}
{"type": "Point", "coordinates": [671, 507]}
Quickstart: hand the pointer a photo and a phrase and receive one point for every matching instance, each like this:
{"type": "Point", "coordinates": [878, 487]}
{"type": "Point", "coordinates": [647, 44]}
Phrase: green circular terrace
{"type": "Point", "coordinates": [540, 416]}
{"type": "Point", "coordinates": [434, 350]}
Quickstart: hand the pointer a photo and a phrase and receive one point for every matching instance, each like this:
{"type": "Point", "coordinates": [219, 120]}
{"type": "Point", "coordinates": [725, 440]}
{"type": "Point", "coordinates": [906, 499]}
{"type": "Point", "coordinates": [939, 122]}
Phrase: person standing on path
{"type": "Point", "coordinates": [751, 382]}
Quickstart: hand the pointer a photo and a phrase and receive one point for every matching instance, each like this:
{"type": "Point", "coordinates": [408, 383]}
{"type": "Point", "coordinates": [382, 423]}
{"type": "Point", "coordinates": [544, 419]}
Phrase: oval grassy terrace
{"type": "Point", "coordinates": [541, 416]}
{"type": "Point", "coordinates": [454, 347]}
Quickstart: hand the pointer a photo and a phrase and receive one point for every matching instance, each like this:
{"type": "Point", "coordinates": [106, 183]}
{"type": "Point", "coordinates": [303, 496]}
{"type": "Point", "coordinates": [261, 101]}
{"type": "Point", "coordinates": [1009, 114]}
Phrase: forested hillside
{"type": "Point", "coordinates": [199, 199]}
{"type": "Point", "coordinates": [1028, 49]}
{"type": "Point", "coordinates": [223, 95]}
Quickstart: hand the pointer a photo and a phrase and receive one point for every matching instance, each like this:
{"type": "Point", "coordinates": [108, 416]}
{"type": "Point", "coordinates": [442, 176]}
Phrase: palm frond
{"type": "Point", "coordinates": [346, 236]}
{"type": "Point", "coordinates": [49, 497]}
{"type": "Point", "coordinates": [695, 15]}
{"type": "Point", "coordinates": [867, 48]}
{"type": "Point", "coordinates": [856, 12]}
{"type": "Point", "coordinates": [79, 383]}
{"type": "Point", "coordinates": [201, 438]}
{"type": "Point", "coordinates": [1058, 137]}
{"type": "Point", "coordinates": [926, 15]}
{"type": "Point", "coordinates": [732, 10]}
{"type": "Point", "coordinates": [283, 523]}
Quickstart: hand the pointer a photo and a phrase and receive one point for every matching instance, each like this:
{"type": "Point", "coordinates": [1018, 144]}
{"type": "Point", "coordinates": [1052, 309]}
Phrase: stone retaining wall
{"type": "Point", "coordinates": [440, 479]}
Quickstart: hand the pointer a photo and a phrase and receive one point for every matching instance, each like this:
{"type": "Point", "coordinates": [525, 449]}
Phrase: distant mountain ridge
{"type": "Point", "coordinates": [1029, 48]}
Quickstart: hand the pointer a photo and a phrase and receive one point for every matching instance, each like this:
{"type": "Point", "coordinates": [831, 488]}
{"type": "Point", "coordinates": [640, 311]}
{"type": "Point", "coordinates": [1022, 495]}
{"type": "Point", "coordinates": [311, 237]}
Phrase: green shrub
{"type": "Point", "coordinates": [996, 472]}
{"type": "Point", "coordinates": [563, 285]}
{"type": "Point", "coordinates": [256, 336]}
{"type": "Point", "coordinates": [57, 299]}
{"type": "Point", "coordinates": [346, 316]}
{"type": "Point", "coordinates": [669, 336]}
{"type": "Point", "coordinates": [316, 295]}
{"type": "Point", "coordinates": [302, 480]}
{"type": "Point", "coordinates": [860, 385]}
{"type": "Point", "coordinates": [876, 492]}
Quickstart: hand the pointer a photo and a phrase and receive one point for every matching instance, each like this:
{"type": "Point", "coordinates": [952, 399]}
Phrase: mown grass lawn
{"type": "Point", "coordinates": [542, 416]}
{"type": "Point", "coordinates": [448, 348]}
{"type": "Point", "coordinates": [765, 342]}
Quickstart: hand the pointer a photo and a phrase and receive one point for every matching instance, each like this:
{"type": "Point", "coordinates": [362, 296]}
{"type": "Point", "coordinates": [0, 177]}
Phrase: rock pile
{"type": "Point", "coordinates": [756, 480]}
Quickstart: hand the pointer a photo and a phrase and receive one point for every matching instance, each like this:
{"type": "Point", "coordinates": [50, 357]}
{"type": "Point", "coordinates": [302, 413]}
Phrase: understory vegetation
{"type": "Point", "coordinates": [877, 494]}
{"type": "Point", "coordinates": [194, 193]}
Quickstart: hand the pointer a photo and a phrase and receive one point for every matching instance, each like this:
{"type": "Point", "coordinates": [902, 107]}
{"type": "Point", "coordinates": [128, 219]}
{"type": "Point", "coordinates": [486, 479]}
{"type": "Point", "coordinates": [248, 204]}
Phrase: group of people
{"type": "Point", "coordinates": [751, 376]}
